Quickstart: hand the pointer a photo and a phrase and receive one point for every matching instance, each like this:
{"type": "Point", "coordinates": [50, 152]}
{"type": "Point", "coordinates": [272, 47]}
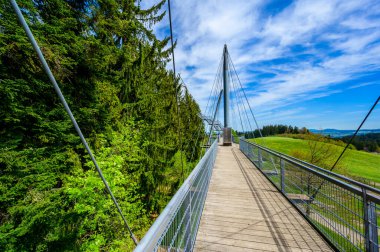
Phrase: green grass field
{"type": "Point", "coordinates": [355, 164]}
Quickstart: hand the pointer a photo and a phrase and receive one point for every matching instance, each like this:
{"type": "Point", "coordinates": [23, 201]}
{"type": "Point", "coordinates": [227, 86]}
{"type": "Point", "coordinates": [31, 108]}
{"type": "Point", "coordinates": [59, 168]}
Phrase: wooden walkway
{"type": "Point", "coordinates": [245, 212]}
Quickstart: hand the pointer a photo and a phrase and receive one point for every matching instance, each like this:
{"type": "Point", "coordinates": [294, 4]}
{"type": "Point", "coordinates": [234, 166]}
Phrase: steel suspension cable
{"type": "Point", "coordinates": [214, 105]}
{"type": "Point", "coordinates": [347, 145]}
{"type": "Point", "coordinates": [208, 100]}
{"type": "Point", "coordinates": [171, 37]}
{"type": "Point", "coordinates": [213, 85]}
{"type": "Point", "coordinates": [215, 93]}
{"type": "Point", "coordinates": [232, 104]}
{"type": "Point", "coordinates": [68, 110]}
{"type": "Point", "coordinates": [254, 118]}
{"type": "Point", "coordinates": [217, 90]}
{"type": "Point", "coordinates": [250, 108]}
{"type": "Point", "coordinates": [234, 89]}
{"type": "Point", "coordinates": [356, 132]}
{"type": "Point", "coordinates": [241, 110]}
{"type": "Point", "coordinates": [244, 107]}
{"type": "Point", "coordinates": [244, 101]}
{"type": "Point", "coordinates": [176, 94]}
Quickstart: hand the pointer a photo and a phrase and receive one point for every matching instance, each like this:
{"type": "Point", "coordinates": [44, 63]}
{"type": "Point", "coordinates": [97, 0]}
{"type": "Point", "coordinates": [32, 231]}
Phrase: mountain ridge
{"type": "Point", "coordinates": [340, 133]}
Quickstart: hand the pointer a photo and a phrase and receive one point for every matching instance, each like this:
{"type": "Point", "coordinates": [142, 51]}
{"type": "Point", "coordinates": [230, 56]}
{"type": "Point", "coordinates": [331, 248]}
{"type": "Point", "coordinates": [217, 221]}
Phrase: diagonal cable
{"type": "Point", "coordinates": [208, 101]}
{"type": "Point", "coordinates": [236, 100]}
{"type": "Point", "coordinates": [175, 87]}
{"type": "Point", "coordinates": [347, 145]}
{"type": "Point", "coordinates": [244, 109]}
{"type": "Point", "coordinates": [254, 118]}
{"type": "Point", "coordinates": [250, 108]}
{"type": "Point", "coordinates": [68, 110]}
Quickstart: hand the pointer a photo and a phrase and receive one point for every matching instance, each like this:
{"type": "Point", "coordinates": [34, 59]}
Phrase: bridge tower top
{"type": "Point", "coordinates": [227, 136]}
{"type": "Point", "coordinates": [226, 88]}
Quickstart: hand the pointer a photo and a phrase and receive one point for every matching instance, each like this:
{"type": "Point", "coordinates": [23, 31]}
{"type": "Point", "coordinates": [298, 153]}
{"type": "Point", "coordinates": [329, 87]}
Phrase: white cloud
{"type": "Point", "coordinates": [347, 30]}
{"type": "Point", "coordinates": [364, 85]}
{"type": "Point", "coordinates": [297, 23]}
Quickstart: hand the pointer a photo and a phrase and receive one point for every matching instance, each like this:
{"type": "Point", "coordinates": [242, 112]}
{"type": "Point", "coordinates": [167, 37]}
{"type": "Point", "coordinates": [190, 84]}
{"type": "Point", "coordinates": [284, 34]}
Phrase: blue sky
{"type": "Point", "coordinates": [305, 63]}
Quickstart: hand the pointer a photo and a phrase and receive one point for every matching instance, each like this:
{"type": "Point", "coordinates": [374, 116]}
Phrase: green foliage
{"type": "Point", "coordinates": [112, 70]}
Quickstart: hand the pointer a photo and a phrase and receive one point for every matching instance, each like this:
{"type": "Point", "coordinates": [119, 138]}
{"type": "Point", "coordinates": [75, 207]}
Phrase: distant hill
{"type": "Point", "coordinates": [369, 142]}
{"type": "Point", "coordinates": [341, 133]}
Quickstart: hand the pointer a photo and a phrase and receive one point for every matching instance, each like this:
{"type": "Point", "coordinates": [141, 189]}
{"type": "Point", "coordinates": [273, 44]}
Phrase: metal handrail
{"type": "Point", "coordinates": [153, 238]}
{"type": "Point", "coordinates": [349, 180]}
{"type": "Point", "coordinates": [357, 189]}
{"type": "Point", "coordinates": [345, 211]}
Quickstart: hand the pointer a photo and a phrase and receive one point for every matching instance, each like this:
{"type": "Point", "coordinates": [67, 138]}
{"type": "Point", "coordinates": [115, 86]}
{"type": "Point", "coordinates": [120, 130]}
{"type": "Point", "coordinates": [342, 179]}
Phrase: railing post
{"type": "Point", "coordinates": [260, 159]}
{"type": "Point", "coordinates": [370, 224]}
{"type": "Point", "coordinates": [190, 224]}
{"type": "Point", "coordinates": [282, 164]}
{"type": "Point", "coordinates": [373, 232]}
{"type": "Point", "coordinates": [248, 151]}
{"type": "Point", "coordinates": [366, 223]}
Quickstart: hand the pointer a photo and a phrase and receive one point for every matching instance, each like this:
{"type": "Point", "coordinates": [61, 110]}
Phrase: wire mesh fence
{"type": "Point", "coordinates": [345, 211]}
{"type": "Point", "coordinates": [176, 227]}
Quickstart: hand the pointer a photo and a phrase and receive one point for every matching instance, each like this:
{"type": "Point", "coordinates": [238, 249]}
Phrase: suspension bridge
{"type": "Point", "coordinates": [244, 197]}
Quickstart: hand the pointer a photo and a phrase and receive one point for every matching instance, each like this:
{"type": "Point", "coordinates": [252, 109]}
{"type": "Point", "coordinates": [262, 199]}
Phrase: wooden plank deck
{"type": "Point", "coordinates": [245, 212]}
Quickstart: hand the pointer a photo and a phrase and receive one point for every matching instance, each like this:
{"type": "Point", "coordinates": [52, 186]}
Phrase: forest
{"type": "Point", "coordinates": [369, 142]}
{"type": "Point", "coordinates": [112, 70]}
{"type": "Point", "coordinates": [276, 129]}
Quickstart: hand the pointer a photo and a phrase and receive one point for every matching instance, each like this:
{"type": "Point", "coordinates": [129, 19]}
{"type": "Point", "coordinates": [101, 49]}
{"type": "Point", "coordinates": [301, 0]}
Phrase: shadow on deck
{"type": "Point", "coordinates": [245, 212]}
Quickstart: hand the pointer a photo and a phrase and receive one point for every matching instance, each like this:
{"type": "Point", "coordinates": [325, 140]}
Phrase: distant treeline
{"type": "Point", "coordinates": [368, 142]}
{"type": "Point", "coordinates": [276, 129]}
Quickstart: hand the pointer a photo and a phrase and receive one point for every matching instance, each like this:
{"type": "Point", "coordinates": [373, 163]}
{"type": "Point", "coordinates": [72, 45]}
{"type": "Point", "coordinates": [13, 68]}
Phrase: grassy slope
{"type": "Point", "coordinates": [354, 163]}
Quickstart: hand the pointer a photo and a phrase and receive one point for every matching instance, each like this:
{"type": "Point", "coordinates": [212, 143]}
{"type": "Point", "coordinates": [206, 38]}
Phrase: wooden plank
{"type": "Point", "coordinates": [244, 212]}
